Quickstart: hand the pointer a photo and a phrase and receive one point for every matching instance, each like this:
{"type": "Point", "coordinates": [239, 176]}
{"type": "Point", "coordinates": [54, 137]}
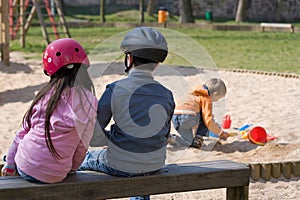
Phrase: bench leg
{"type": "Point", "coordinates": [237, 193]}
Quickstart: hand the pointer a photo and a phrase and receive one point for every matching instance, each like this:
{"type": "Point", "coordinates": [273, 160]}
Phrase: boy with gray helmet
{"type": "Point", "coordinates": [146, 45]}
{"type": "Point", "coordinates": [141, 109]}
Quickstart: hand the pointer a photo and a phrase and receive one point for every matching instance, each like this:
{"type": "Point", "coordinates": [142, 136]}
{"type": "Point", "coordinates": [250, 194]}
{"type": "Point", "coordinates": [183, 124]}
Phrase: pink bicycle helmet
{"type": "Point", "coordinates": [61, 53]}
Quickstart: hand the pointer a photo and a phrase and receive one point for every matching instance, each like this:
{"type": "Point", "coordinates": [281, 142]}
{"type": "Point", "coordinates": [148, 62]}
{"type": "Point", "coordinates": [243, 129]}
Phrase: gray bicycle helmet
{"type": "Point", "coordinates": [147, 43]}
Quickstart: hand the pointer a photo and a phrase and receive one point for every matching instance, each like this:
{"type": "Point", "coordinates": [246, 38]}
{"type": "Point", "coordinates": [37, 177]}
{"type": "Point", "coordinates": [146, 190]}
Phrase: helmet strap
{"type": "Point", "coordinates": [45, 72]}
{"type": "Point", "coordinates": [128, 61]}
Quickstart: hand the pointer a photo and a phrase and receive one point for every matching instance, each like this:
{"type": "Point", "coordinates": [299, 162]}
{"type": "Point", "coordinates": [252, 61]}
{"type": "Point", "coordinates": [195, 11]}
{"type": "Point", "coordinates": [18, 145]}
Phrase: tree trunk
{"type": "Point", "coordinates": [278, 10]}
{"type": "Point", "coordinates": [142, 3]}
{"type": "Point", "coordinates": [241, 11]}
{"type": "Point", "coordinates": [186, 11]}
{"type": "Point", "coordinates": [151, 7]}
{"type": "Point", "coordinates": [102, 11]}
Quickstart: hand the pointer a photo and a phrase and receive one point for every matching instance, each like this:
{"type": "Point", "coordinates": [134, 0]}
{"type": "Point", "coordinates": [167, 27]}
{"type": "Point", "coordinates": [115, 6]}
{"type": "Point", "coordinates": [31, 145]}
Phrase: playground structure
{"type": "Point", "coordinates": [22, 12]}
{"type": "Point", "coordinates": [4, 32]}
{"type": "Point", "coordinates": [20, 15]}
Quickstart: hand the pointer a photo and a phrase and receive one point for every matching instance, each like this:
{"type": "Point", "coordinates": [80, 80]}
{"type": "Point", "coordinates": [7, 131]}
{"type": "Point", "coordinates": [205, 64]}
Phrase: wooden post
{"type": "Point", "coordinates": [29, 19]}
{"type": "Point", "coordinates": [22, 19]}
{"type": "Point", "coordinates": [276, 169]}
{"type": "Point", "coordinates": [62, 19]}
{"type": "Point", "coordinates": [4, 32]}
{"type": "Point", "coordinates": [255, 171]}
{"type": "Point", "coordinates": [1, 17]}
{"type": "Point", "coordinates": [286, 169]}
{"type": "Point", "coordinates": [42, 22]}
{"type": "Point", "coordinates": [237, 193]}
{"type": "Point", "coordinates": [265, 171]}
{"type": "Point", "coordinates": [296, 168]}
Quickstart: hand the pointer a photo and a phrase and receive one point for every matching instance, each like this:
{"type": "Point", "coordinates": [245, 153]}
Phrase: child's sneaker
{"type": "Point", "coordinates": [176, 142]}
{"type": "Point", "coordinates": [197, 142]}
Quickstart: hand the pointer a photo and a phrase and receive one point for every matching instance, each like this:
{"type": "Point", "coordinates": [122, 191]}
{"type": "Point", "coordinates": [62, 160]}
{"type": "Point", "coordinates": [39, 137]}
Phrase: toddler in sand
{"type": "Point", "coordinates": [195, 114]}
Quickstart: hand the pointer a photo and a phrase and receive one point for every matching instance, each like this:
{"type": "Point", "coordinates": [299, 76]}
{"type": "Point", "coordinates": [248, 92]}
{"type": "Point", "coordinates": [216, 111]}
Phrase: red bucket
{"type": "Point", "coordinates": [226, 122]}
{"type": "Point", "coordinates": [258, 135]}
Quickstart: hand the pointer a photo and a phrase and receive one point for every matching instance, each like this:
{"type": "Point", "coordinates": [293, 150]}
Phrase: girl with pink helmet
{"type": "Point", "coordinates": [59, 124]}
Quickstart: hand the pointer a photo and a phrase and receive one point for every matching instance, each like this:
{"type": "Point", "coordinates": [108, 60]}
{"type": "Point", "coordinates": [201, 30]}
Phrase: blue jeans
{"type": "Point", "coordinates": [202, 130]}
{"type": "Point", "coordinates": [96, 161]}
{"type": "Point", "coordinates": [28, 178]}
{"type": "Point", "coordinates": [184, 125]}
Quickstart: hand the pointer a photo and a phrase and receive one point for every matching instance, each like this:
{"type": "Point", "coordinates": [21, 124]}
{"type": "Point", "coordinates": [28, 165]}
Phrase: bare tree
{"type": "Point", "coordinates": [142, 3]}
{"type": "Point", "coordinates": [186, 11]}
{"type": "Point", "coordinates": [278, 9]}
{"type": "Point", "coordinates": [241, 11]}
{"type": "Point", "coordinates": [151, 7]}
{"type": "Point", "coordinates": [102, 11]}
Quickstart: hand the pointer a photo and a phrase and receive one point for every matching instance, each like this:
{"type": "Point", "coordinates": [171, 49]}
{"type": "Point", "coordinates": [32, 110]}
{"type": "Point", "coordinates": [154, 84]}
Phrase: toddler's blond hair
{"type": "Point", "coordinates": [216, 85]}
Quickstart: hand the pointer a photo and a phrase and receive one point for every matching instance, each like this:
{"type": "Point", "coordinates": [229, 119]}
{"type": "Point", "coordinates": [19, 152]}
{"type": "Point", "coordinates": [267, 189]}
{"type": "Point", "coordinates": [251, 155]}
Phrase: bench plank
{"type": "Point", "coordinates": [173, 178]}
{"type": "Point", "coordinates": [277, 25]}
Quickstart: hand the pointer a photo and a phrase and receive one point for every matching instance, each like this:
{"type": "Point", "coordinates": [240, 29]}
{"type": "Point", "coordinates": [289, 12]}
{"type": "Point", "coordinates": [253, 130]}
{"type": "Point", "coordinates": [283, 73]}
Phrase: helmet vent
{"type": "Point", "coordinates": [58, 54]}
{"type": "Point", "coordinates": [76, 49]}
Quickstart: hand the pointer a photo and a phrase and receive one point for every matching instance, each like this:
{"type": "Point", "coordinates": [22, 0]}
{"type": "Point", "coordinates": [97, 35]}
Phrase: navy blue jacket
{"type": "Point", "coordinates": [141, 109]}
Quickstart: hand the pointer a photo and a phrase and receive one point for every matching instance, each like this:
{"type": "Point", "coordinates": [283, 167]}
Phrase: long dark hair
{"type": "Point", "coordinates": [74, 75]}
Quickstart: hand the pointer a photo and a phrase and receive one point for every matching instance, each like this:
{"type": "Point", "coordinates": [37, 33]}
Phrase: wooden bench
{"type": "Point", "coordinates": [290, 27]}
{"type": "Point", "coordinates": [173, 178]}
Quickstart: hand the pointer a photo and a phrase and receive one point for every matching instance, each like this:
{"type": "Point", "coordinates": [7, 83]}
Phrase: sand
{"type": "Point", "coordinates": [262, 100]}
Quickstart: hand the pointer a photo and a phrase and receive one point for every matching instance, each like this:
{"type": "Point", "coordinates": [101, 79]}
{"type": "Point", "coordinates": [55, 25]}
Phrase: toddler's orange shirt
{"type": "Point", "coordinates": [199, 101]}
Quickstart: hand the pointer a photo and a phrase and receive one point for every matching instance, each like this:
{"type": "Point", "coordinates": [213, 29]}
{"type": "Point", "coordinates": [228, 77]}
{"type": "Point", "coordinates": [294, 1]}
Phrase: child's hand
{"type": "Point", "coordinates": [8, 170]}
{"type": "Point", "coordinates": [224, 135]}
